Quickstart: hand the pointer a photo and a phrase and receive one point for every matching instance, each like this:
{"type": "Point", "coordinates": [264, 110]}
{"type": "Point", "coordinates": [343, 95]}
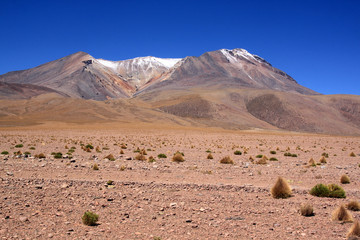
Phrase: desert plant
{"type": "Point", "coordinates": [122, 168]}
{"type": "Point", "coordinates": [151, 159]}
{"type": "Point", "coordinates": [226, 160]}
{"type": "Point", "coordinates": [353, 205]}
{"type": "Point", "coordinates": [40, 155]}
{"type": "Point", "coordinates": [110, 157]}
{"type": "Point", "coordinates": [110, 182]}
{"type": "Point", "coordinates": [287, 154]}
{"type": "Point", "coordinates": [90, 218]}
{"type": "Point", "coordinates": [322, 160]}
{"type": "Point", "coordinates": [336, 191]}
{"type": "Point", "coordinates": [237, 152]}
{"type": "Point", "coordinates": [178, 157]}
{"type": "Point", "coordinates": [262, 160]}
{"type": "Point", "coordinates": [312, 162]}
{"type": "Point", "coordinates": [281, 189]}
{"type": "Point", "coordinates": [123, 146]}
{"type": "Point", "coordinates": [5, 153]}
{"type": "Point", "coordinates": [210, 156]}
{"type": "Point", "coordinates": [345, 179]}
{"type": "Point", "coordinates": [320, 190]}
{"type": "Point", "coordinates": [341, 214]}
{"type": "Point", "coordinates": [272, 152]}
{"type": "Point", "coordinates": [97, 149]}
{"type": "Point", "coordinates": [137, 150]}
{"type": "Point", "coordinates": [307, 210]}
{"type": "Point", "coordinates": [162, 155]}
{"type": "Point", "coordinates": [140, 157]}
{"type": "Point", "coordinates": [259, 156]}
{"type": "Point", "coordinates": [32, 148]}
{"type": "Point", "coordinates": [294, 155]}
{"type": "Point", "coordinates": [121, 151]}
{"type": "Point", "coordinates": [95, 166]}
{"type": "Point", "coordinates": [273, 159]}
{"type": "Point", "coordinates": [352, 154]}
{"type": "Point", "coordinates": [354, 231]}
{"type": "Point", "coordinates": [89, 146]}
{"type": "Point", "coordinates": [58, 155]}
{"type": "Point", "coordinates": [19, 145]}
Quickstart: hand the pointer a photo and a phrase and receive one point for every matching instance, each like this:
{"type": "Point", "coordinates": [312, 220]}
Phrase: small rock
{"type": "Point", "coordinates": [50, 235]}
{"type": "Point", "coordinates": [23, 219]}
{"type": "Point", "coordinates": [173, 205]}
{"type": "Point", "coordinates": [188, 220]}
{"type": "Point", "coordinates": [10, 173]}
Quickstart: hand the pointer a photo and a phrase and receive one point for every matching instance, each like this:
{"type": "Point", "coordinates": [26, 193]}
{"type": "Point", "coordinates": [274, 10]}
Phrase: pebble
{"type": "Point", "coordinates": [23, 219]}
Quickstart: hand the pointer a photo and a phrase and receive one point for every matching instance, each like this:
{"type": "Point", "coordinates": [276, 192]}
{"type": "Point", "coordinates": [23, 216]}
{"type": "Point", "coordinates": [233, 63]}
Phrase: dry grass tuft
{"type": "Point", "coordinates": [210, 156]}
{"type": "Point", "coordinates": [353, 205]}
{"type": "Point", "coordinates": [307, 210]}
{"type": "Point", "coordinates": [341, 214]}
{"type": "Point", "coordinates": [262, 160]}
{"type": "Point", "coordinates": [95, 167]}
{"type": "Point", "coordinates": [226, 160]}
{"type": "Point", "coordinates": [323, 160]}
{"type": "Point", "coordinates": [140, 157]}
{"type": "Point", "coordinates": [178, 157]}
{"type": "Point", "coordinates": [312, 162]}
{"type": "Point", "coordinates": [110, 157]}
{"type": "Point", "coordinates": [354, 231]}
{"type": "Point", "coordinates": [281, 189]}
{"type": "Point", "coordinates": [345, 179]}
{"type": "Point", "coordinates": [352, 154]}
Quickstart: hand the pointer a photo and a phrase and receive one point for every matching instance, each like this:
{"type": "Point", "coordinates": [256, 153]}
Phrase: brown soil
{"type": "Point", "coordinates": [199, 198]}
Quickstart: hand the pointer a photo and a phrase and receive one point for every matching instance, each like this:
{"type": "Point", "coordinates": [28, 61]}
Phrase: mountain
{"type": "Point", "coordinates": [231, 89]}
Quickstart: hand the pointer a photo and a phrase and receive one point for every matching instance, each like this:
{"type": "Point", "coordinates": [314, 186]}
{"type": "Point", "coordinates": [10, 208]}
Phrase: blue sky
{"type": "Point", "coordinates": [316, 42]}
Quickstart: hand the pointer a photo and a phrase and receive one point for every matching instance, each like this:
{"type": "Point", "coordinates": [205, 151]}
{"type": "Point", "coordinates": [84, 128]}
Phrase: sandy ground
{"type": "Point", "coordinates": [199, 198]}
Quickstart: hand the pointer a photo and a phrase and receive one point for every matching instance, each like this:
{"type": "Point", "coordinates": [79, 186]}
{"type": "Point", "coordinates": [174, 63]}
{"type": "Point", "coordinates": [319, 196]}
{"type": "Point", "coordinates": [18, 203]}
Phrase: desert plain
{"type": "Point", "coordinates": [199, 198]}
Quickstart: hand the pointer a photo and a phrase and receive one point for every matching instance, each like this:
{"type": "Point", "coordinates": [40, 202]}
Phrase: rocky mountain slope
{"type": "Point", "coordinates": [231, 89]}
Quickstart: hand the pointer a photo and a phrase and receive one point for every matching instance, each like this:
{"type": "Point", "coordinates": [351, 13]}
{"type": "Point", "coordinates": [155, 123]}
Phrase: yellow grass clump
{"type": "Point", "coordinates": [323, 160]}
{"type": "Point", "coordinates": [226, 160]}
{"type": "Point", "coordinates": [341, 214]}
{"type": "Point", "coordinates": [354, 231]}
{"type": "Point", "coordinates": [178, 157]}
{"type": "Point", "coordinates": [306, 210]}
{"type": "Point", "coordinates": [281, 189]}
{"type": "Point", "coordinates": [345, 179]}
{"type": "Point", "coordinates": [353, 205]}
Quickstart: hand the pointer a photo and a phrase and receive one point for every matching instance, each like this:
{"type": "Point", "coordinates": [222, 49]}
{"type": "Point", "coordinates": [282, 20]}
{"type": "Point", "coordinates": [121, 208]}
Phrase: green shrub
{"type": "Point", "coordinates": [294, 155]}
{"type": "Point", "coordinates": [325, 155]}
{"type": "Point", "coordinates": [89, 146]}
{"type": "Point", "coordinates": [32, 148]}
{"type": "Point", "coordinates": [57, 155]}
{"type": "Point", "coordinates": [5, 152]}
{"type": "Point", "coordinates": [19, 146]}
{"type": "Point", "coordinates": [237, 152]}
{"type": "Point", "coordinates": [272, 152]}
{"type": "Point", "coordinates": [273, 159]}
{"type": "Point", "coordinates": [259, 156]}
{"type": "Point", "coordinates": [162, 155]}
{"type": "Point", "coordinates": [336, 191]}
{"type": "Point", "coordinates": [90, 218]}
{"type": "Point", "coordinates": [320, 190]}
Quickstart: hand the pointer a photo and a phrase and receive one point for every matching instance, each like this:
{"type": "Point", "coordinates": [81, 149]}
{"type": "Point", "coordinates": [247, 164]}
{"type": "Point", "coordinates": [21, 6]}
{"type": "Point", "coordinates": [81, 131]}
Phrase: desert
{"type": "Point", "coordinates": [198, 198]}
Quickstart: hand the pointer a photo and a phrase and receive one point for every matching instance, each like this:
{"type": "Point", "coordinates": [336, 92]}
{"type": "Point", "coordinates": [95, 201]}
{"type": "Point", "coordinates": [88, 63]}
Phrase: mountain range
{"type": "Point", "coordinates": [231, 89]}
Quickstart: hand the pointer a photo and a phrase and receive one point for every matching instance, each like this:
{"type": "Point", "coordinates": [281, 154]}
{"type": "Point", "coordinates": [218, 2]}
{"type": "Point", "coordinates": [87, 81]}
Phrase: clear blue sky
{"type": "Point", "coordinates": [316, 42]}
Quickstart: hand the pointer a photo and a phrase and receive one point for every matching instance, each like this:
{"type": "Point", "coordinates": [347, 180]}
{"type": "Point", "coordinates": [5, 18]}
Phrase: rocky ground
{"type": "Point", "coordinates": [199, 198]}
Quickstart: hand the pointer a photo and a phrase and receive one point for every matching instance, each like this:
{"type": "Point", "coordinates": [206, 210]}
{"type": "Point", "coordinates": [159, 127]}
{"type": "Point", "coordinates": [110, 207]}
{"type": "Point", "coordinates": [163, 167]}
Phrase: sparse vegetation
{"type": "Point", "coordinates": [162, 155]}
{"type": "Point", "coordinates": [336, 191]}
{"type": "Point", "coordinates": [352, 154]}
{"type": "Point", "coordinates": [178, 157]}
{"type": "Point", "coordinates": [151, 159]}
{"type": "Point", "coordinates": [90, 218]}
{"type": "Point", "coordinates": [110, 157]}
{"type": "Point", "coordinates": [40, 155]}
{"type": "Point", "coordinates": [341, 214]}
{"type": "Point", "coordinates": [307, 210]}
{"type": "Point", "coordinates": [259, 156]}
{"type": "Point", "coordinates": [322, 160]}
{"type": "Point", "coordinates": [57, 155]}
{"type": "Point", "coordinates": [354, 231]}
{"type": "Point", "coordinates": [32, 148]}
{"type": "Point", "coordinates": [226, 160]}
{"type": "Point", "coordinates": [320, 190]}
{"type": "Point", "coordinates": [353, 205]}
{"type": "Point", "coordinates": [262, 160]}
{"type": "Point", "coordinates": [95, 166]}
{"type": "Point", "coordinates": [312, 163]}
{"type": "Point", "coordinates": [89, 146]}
{"type": "Point", "coordinates": [210, 156]}
{"type": "Point", "coordinates": [5, 153]}
{"type": "Point", "coordinates": [19, 145]}
{"type": "Point", "coordinates": [140, 157]}
{"type": "Point", "coordinates": [237, 152]}
{"type": "Point", "coordinates": [281, 189]}
{"type": "Point", "coordinates": [273, 159]}
{"type": "Point", "coordinates": [345, 179]}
